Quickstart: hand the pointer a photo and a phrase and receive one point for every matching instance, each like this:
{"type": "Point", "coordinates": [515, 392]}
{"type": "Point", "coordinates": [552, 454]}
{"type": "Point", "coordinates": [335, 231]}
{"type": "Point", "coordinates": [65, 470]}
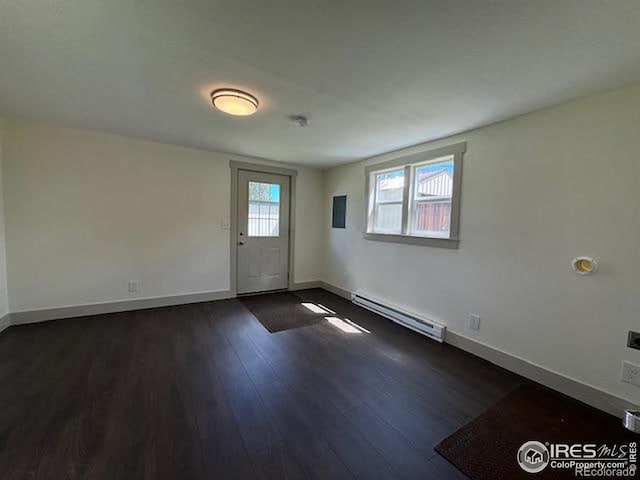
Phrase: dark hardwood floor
{"type": "Point", "coordinates": [204, 391]}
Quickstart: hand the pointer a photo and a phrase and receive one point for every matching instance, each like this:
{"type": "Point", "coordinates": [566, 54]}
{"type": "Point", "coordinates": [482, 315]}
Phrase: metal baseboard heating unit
{"type": "Point", "coordinates": [406, 319]}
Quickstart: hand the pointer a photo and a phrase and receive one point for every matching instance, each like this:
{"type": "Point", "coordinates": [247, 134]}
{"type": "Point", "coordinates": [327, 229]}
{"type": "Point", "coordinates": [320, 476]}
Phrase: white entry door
{"type": "Point", "coordinates": [263, 232]}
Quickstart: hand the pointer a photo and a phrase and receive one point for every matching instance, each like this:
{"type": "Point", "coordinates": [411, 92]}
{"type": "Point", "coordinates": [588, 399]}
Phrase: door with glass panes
{"type": "Point", "coordinates": [263, 232]}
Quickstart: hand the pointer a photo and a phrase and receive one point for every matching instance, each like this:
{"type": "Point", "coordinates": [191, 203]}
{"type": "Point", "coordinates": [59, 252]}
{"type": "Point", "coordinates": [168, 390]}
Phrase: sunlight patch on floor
{"type": "Point", "coordinates": [315, 308]}
{"type": "Point", "coordinates": [362, 329]}
{"type": "Point", "coordinates": [327, 309]}
{"type": "Point", "coordinates": [346, 325]}
{"type": "Point", "coordinates": [342, 325]}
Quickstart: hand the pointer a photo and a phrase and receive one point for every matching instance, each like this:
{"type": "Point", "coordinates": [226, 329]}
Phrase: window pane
{"type": "Point", "coordinates": [433, 190]}
{"type": "Point", "coordinates": [388, 218]}
{"type": "Point", "coordinates": [389, 186]}
{"type": "Point", "coordinates": [433, 219]}
{"type": "Point", "coordinates": [264, 209]}
{"type": "Point", "coordinates": [387, 211]}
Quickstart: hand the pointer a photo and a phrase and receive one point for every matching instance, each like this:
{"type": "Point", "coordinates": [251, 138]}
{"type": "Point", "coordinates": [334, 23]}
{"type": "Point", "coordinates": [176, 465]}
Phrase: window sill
{"type": "Point", "coordinates": [411, 240]}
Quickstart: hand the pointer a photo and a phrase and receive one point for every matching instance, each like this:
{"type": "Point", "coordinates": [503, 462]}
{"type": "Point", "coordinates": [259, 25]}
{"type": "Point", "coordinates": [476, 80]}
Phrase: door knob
{"type": "Point", "coordinates": [240, 242]}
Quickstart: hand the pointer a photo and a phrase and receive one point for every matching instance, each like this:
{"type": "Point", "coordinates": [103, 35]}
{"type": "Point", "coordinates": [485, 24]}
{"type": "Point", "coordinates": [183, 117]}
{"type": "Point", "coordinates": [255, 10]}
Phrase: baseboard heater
{"type": "Point", "coordinates": [404, 318]}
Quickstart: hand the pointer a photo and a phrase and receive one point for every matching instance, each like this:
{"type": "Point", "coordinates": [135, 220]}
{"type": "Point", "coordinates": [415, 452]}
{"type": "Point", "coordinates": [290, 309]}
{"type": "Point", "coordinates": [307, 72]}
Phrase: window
{"type": "Point", "coordinates": [416, 198]}
{"type": "Point", "coordinates": [264, 209]}
{"type": "Point", "coordinates": [387, 209]}
{"type": "Point", "coordinates": [431, 199]}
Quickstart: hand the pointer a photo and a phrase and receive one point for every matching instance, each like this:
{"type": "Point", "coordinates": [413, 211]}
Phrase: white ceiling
{"type": "Point", "coordinates": [371, 75]}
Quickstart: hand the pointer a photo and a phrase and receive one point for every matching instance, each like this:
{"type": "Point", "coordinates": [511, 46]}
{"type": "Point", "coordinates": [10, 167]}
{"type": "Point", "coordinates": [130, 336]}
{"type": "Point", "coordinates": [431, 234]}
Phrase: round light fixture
{"type": "Point", "coordinates": [234, 102]}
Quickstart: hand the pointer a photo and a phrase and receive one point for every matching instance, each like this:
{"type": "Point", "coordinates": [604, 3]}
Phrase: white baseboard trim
{"type": "Point", "coordinates": [5, 322]}
{"type": "Point", "coordinates": [35, 316]}
{"type": "Point", "coordinates": [341, 292]}
{"type": "Point", "coordinates": [573, 388]}
{"type": "Point", "coordinates": [43, 315]}
{"type": "Point", "coordinates": [305, 285]}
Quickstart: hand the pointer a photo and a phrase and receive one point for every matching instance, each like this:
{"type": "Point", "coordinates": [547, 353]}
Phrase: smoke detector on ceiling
{"type": "Point", "coordinates": [300, 121]}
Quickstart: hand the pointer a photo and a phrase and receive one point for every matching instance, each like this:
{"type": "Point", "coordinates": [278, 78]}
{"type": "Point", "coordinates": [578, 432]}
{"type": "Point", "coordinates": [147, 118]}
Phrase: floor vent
{"type": "Point", "coordinates": [406, 319]}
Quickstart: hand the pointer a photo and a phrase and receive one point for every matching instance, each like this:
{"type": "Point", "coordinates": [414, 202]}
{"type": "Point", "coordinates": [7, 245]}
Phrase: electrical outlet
{"type": "Point", "coordinates": [133, 286]}
{"type": "Point", "coordinates": [474, 321]}
{"type": "Point", "coordinates": [631, 373]}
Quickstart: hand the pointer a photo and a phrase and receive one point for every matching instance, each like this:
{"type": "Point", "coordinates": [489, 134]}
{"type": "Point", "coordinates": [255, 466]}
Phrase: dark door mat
{"type": "Point", "coordinates": [487, 447]}
{"type": "Point", "coordinates": [281, 311]}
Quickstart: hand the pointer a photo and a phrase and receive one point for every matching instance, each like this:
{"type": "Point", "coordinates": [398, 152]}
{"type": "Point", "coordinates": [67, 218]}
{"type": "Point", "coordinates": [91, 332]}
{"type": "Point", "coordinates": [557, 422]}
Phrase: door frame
{"type": "Point", "coordinates": [236, 165]}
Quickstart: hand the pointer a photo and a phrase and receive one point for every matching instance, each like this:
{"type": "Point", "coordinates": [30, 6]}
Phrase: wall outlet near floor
{"type": "Point", "coordinates": [133, 286]}
{"type": "Point", "coordinates": [631, 373]}
{"type": "Point", "coordinates": [474, 321]}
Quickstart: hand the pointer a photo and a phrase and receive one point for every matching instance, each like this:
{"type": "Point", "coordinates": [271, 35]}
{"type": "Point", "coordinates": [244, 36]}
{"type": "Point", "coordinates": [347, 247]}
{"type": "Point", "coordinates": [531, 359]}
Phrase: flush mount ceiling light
{"type": "Point", "coordinates": [234, 102]}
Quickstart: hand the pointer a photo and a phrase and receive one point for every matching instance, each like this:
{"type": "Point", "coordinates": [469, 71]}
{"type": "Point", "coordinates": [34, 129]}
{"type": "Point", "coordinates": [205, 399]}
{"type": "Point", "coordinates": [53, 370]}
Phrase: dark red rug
{"type": "Point", "coordinates": [487, 447]}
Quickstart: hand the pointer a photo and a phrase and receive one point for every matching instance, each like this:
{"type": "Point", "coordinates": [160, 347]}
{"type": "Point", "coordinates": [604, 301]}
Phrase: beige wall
{"type": "Point", "coordinates": [87, 212]}
{"type": "Point", "coordinates": [538, 190]}
{"type": "Point", "coordinates": [4, 301]}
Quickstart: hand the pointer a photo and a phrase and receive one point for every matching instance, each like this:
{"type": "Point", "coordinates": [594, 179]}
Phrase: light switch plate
{"type": "Point", "coordinates": [225, 224]}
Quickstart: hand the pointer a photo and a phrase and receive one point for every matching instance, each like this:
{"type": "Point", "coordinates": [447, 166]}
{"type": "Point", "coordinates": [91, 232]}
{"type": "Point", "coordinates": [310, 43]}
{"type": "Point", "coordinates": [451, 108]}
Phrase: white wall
{"type": "Point", "coordinates": [87, 212]}
{"type": "Point", "coordinates": [538, 190]}
{"type": "Point", "coordinates": [4, 301]}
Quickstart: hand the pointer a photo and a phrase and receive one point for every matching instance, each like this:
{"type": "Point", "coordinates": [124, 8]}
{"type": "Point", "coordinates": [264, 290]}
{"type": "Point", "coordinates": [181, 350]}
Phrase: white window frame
{"type": "Point", "coordinates": [376, 203]}
{"type": "Point", "coordinates": [409, 162]}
